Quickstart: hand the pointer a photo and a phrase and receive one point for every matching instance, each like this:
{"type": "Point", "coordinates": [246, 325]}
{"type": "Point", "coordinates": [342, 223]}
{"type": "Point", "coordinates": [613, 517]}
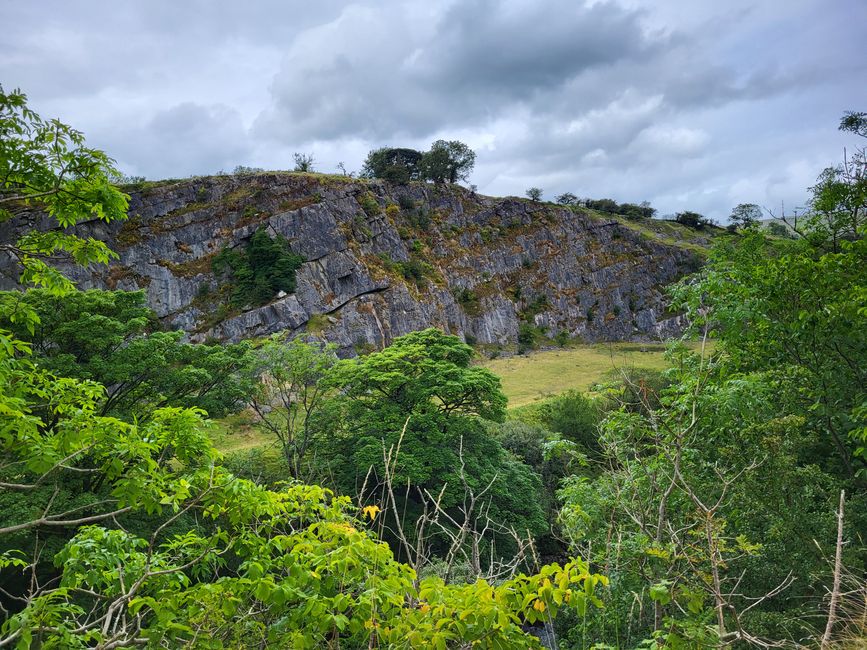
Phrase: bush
{"type": "Point", "coordinates": [467, 299]}
{"type": "Point", "coordinates": [405, 202]}
{"type": "Point", "coordinates": [419, 219]}
{"type": "Point", "coordinates": [369, 204]}
{"type": "Point", "coordinates": [528, 337]}
{"type": "Point", "coordinates": [576, 417]}
{"type": "Point", "coordinates": [691, 219]}
{"type": "Point", "coordinates": [303, 162]}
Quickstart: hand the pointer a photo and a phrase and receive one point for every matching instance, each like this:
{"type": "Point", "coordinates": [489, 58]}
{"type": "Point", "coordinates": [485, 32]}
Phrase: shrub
{"type": "Point", "coordinates": [303, 162]}
{"type": "Point", "coordinates": [467, 299]}
{"type": "Point", "coordinates": [369, 204]}
{"type": "Point", "coordinates": [691, 219]}
{"type": "Point", "coordinates": [419, 219]}
{"type": "Point", "coordinates": [574, 416]}
{"type": "Point", "coordinates": [405, 202]}
{"type": "Point", "coordinates": [528, 337]}
{"type": "Point", "coordinates": [392, 211]}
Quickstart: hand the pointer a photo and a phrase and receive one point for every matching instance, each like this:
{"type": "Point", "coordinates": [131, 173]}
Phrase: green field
{"type": "Point", "coordinates": [536, 376]}
{"type": "Point", "coordinates": [237, 433]}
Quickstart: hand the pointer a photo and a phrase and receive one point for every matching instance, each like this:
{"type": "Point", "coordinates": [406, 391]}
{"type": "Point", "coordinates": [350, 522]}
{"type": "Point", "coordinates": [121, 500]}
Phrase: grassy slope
{"type": "Point", "coordinates": [237, 433]}
{"type": "Point", "coordinates": [536, 376]}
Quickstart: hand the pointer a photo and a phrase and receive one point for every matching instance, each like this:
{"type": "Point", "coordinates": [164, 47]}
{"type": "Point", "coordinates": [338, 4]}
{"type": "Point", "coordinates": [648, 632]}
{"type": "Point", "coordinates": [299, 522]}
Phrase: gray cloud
{"type": "Point", "coordinates": [689, 105]}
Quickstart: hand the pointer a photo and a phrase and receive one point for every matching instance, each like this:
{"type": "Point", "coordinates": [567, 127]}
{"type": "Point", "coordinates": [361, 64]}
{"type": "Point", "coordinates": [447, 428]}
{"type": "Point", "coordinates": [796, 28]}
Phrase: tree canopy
{"type": "Point", "coordinates": [447, 161]}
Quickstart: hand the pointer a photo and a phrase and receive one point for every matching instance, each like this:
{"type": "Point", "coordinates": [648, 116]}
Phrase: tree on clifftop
{"type": "Point", "coordinates": [395, 164]}
{"type": "Point", "coordinates": [448, 162]}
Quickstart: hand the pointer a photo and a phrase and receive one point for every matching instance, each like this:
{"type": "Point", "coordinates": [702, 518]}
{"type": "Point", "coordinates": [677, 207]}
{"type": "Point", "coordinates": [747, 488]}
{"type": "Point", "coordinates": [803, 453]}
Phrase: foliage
{"type": "Point", "coordinates": [468, 299]}
{"type": "Point", "coordinates": [633, 211]}
{"type": "Point", "coordinates": [290, 396]}
{"type": "Point", "coordinates": [838, 209]}
{"type": "Point", "coordinates": [796, 313]}
{"type": "Point", "coordinates": [575, 417]}
{"type": "Point", "coordinates": [303, 162]}
{"type": "Point", "coordinates": [745, 215]}
{"type": "Point", "coordinates": [567, 198]}
{"type": "Point", "coordinates": [45, 165]}
{"type": "Point", "coordinates": [529, 336]}
{"type": "Point", "coordinates": [448, 162]}
{"type": "Point", "coordinates": [422, 395]}
{"type": "Point", "coordinates": [110, 337]}
{"type": "Point", "coordinates": [397, 165]}
{"type": "Point", "coordinates": [243, 170]}
{"type": "Point", "coordinates": [162, 547]}
{"type": "Point", "coordinates": [369, 204]}
{"type": "Point", "coordinates": [691, 219]}
{"type": "Point", "coordinates": [534, 194]}
{"type": "Point", "coordinates": [778, 230]}
{"type": "Point", "coordinates": [256, 273]}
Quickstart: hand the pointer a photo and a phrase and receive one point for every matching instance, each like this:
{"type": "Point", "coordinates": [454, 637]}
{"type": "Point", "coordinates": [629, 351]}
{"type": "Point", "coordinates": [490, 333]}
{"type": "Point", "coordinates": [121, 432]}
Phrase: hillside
{"type": "Point", "coordinates": [381, 260]}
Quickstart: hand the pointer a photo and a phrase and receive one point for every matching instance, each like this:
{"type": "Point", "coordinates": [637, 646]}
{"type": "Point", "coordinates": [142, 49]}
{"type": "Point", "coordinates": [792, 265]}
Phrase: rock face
{"type": "Point", "coordinates": [487, 265]}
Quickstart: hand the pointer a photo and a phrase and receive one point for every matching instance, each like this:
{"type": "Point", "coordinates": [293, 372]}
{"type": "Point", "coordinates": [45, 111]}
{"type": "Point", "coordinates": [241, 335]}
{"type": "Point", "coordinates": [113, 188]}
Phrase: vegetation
{"type": "Point", "coordinates": [642, 210]}
{"type": "Point", "coordinates": [692, 219]}
{"type": "Point", "coordinates": [256, 273]}
{"type": "Point", "coordinates": [705, 494]}
{"type": "Point", "coordinates": [446, 162]}
{"type": "Point", "coordinates": [745, 215]}
{"type": "Point", "coordinates": [397, 165]}
{"type": "Point", "coordinates": [111, 337]}
{"type": "Point", "coordinates": [534, 194]}
{"type": "Point", "coordinates": [303, 162]}
{"type": "Point", "coordinates": [533, 377]}
{"type": "Point", "coordinates": [154, 543]}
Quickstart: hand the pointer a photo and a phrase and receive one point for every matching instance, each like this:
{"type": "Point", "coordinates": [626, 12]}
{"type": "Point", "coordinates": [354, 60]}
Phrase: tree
{"type": "Point", "coordinates": [632, 211]}
{"type": "Point", "coordinates": [448, 162]}
{"type": "Point", "coordinates": [795, 311]}
{"type": "Point", "coordinates": [745, 215]}
{"type": "Point", "coordinates": [290, 396]}
{"type": "Point", "coordinates": [303, 162]}
{"type": "Point", "coordinates": [424, 382]}
{"type": "Point", "coordinates": [603, 205]}
{"type": "Point", "coordinates": [778, 229]}
{"type": "Point", "coordinates": [567, 198]}
{"type": "Point", "coordinates": [123, 534]}
{"type": "Point", "coordinates": [534, 194]}
{"type": "Point", "coordinates": [690, 219]}
{"type": "Point", "coordinates": [45, 165]}
{"type": "Point", "coordinates": [397, 165]}
{"type": "Point", "coordinates": [111, 337]}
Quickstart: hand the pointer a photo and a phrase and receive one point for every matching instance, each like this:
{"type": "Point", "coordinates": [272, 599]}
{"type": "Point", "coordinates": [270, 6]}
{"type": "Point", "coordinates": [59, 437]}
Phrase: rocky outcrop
{"type": "Point", "coordinates": [477, 266]}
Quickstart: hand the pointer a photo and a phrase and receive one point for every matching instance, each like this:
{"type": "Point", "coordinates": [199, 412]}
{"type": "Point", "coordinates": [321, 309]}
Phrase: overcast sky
{"type": "Point", "coordinates": [690, 104]}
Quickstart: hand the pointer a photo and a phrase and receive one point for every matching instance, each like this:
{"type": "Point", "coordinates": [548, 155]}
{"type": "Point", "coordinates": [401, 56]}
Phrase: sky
{"type": "Point", "coordinates": [688, 104]}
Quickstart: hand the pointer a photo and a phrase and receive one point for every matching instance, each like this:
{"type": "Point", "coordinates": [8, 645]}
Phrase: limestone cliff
{"type": "Point", "coordinates": [489, 264]}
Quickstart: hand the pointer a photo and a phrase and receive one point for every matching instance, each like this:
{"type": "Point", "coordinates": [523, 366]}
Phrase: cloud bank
{"type": "Point", "coordinates": [688, 105]}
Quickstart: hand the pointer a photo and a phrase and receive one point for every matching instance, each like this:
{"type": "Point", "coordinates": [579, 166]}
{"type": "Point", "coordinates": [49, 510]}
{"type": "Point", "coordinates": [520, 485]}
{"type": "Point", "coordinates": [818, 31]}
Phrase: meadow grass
{"type": "Point", "coordinates": [539, 375]}
{"type": "Point", "coordinates": [236, 433]}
